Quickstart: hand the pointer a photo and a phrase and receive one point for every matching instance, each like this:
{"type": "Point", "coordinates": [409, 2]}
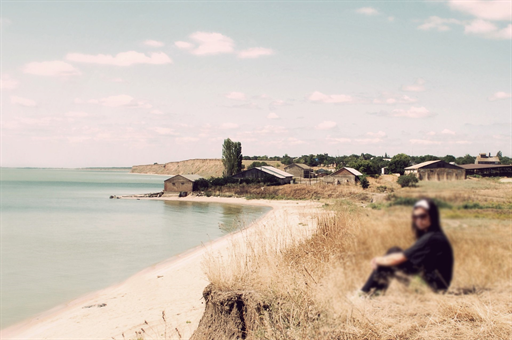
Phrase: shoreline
{"type": "Point", "coordinates": [173, 285]}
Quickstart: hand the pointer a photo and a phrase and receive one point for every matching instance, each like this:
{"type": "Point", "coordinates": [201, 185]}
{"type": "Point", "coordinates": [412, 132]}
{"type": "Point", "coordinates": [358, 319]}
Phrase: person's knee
{"type": "Point", "coordinates": [394, 250]}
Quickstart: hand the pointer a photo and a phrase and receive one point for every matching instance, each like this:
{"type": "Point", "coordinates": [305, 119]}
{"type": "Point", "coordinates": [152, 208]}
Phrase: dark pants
{"type": "Point", "coordinates": [381, 277]}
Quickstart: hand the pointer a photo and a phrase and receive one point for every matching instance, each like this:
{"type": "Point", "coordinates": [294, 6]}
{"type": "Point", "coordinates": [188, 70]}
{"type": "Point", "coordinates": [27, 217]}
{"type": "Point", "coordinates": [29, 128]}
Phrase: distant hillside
{"type": "Point", "coordinates": [204, 167]}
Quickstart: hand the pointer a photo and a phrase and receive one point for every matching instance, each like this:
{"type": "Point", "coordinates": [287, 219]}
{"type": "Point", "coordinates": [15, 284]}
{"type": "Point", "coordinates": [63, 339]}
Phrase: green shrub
{"type": "Point", "coordinates": [407, 180]}
{"type": "Point", "coordinates": [364, 182]}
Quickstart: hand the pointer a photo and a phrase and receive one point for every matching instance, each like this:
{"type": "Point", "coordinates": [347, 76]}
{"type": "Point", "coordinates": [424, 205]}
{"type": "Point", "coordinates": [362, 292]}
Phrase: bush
{"type": "Point", "coordinates": [407, 180]}
{"type": "Point", "coordinates": [201, 184]}
{"type": "Point", "coordinates": [364, 182]}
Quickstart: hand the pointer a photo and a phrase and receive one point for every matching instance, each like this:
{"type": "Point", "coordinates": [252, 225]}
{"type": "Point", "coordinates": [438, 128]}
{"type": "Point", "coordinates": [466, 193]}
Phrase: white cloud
{"type": "Point", "coordinates": [392, 99]}
{"type": "Point", "coordinates": [55, 68]}
{"type": "Point", "coordinates": [183, 45]}
{"type": "Point", "coordinates": [236, 95]}
{"type": "Point", "coordinates": [156, 112]}
{"type": "Point", "coordinates": [484, 9]}
{"type": "Point", "coordinates": [23, 101]}
{"type": "Point", "coordinates": [326, 125]}
{"type": "Point", "coordinates": [8, 83]}
{"type": "Point", "coordinates": [272, 115]}
{"type": "Point", "coordinates": [212, 43]}
{"type": "Point", "coordinates": [153, 43]}
{"type": "Point", "coordinates": [448, 132]}
{"type": "Point", "coordinates": [500, 95]}
{"type": "Point", "coordinates": [438, 24]}
{"type": "Point", "coordinates": [368, 140]}
{"type": "Point", "coordinates": [229, 126]}
{"type": "Point", "coordinates": [254, 52]}
{"type": "Point", "coordinates": [412, 112]}
{"type": "Point", "coordinates": [418, 86]}
{"type": "Point", "coordinates": [333, 98]}
{"type": "Point", "coordinates": [294, 141]}
{"type": "Point", "coordinates": [488, 30]}
{"type": "Point", "coordinates": [479, 27]}
{"type": "Point", "coordinates": [391, 19]}
{"type": "Point", "coordinates": [121, 59]}
{"type": "Point", "coordinates": [186, 139]}
{"type": "Point", "coordinates": [122, 100]}
{"type": "Point", "coordinates": [424, 141]}
{"type": "Point", "coordinates": [367, 11]}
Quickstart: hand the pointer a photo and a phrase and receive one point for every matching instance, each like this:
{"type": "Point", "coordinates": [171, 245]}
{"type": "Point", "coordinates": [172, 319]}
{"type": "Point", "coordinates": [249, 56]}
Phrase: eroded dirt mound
{"type": "Point", "coordinates": [228, 315]}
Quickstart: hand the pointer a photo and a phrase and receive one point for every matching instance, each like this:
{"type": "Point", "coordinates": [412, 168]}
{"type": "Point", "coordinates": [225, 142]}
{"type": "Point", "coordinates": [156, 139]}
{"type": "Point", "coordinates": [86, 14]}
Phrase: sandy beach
{"type": "Point", "coordinates": [173, 286]}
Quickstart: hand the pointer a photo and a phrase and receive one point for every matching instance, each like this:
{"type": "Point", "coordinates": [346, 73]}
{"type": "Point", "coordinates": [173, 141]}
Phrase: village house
{"type": "Point", "coordinates": [344, 175]}
{"type": "Point", "coordinates": [180, 183]}
{"type": "Point", "coordinates": [263, 172]}
{"type": "Point", "coordinates": [299, 170]}
{"type": "Point", "coordinates": [438, 170]}
{"type": "Point", "coordinates": [482, 158]}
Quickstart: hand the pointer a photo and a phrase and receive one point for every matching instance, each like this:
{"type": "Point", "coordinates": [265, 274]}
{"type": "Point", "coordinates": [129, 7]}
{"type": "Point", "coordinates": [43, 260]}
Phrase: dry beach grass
{"type": "Point", "coordinates": [302, 289]}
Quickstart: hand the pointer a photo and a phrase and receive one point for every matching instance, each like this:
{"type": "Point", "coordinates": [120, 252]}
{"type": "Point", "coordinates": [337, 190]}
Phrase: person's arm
{"type": "Point", "coordinates": [388, 260]}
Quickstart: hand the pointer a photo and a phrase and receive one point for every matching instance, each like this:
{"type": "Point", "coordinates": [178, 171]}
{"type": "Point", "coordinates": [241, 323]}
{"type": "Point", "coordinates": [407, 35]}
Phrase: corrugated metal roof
{"type": "Point", "coordinates": [421, 165]}
{"type": "Point", "coordinates": [273, 171]}
{"type": "Point", "coordinates": [353, 171]}
{"type": "Point", "coordinates": [483, 166]}
{"type": "Point", "coordinates": [191, 177]}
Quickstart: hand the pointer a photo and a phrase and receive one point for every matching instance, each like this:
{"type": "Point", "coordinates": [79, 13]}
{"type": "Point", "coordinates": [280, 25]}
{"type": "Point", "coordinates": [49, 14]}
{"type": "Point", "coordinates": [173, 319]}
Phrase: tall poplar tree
{"type": "Point", "coordinates": [231, 157]}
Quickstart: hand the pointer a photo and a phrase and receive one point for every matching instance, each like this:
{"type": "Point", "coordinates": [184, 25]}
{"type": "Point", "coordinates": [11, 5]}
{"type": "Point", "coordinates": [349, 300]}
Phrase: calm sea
{"type": "Point", "coordinates": [62, 237]}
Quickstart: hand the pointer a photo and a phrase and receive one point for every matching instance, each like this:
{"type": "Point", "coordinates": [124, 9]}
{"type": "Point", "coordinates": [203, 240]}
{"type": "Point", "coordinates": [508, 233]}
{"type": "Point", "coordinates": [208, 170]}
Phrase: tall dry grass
{"type": "Point", "coordinates": [307, 282]}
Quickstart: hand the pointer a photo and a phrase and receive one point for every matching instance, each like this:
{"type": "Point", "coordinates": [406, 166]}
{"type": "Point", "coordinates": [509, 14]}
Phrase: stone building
{"type": "Point", "coordinates": [344, 175]}
{"type": "Point", "coordinates": [483, 158]}
{"type": "Point", "coordinates": [180, 183]}
{"type": "Point", "coordinates": [438, 170]}
{"type": "Point", "coordinates": [299, 170]}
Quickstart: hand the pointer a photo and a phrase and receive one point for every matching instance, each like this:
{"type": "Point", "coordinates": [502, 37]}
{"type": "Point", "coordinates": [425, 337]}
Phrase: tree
{"type": "Point", "coordinates": [286, 160]}
{"type": "Point", "coordinates": [398, 163]}
{"type": "Point", "coordinates": [231, 157]}
{"type": "Point", "coordinates": [467, 159]}
{"type": "Point", "coordinates": [448, 158]}
{"type": "Point", "coordinates": [256, 165]}
{"type": "Point", "coordinates": [499, 154]}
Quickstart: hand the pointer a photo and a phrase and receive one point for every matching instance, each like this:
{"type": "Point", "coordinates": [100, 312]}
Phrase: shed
{"type": "Point", "coordinates": [180, 183]}
{"type": "Point", "coordinates": [488, 169]}
{"type": "Point", "coordinates": [437, 170]}
{"type": "Point", "coordinates": [345, 175]}
{"type": "Point", "coordinates": [483, 158]}
{"type": "Point", "coordinates": [263, 172]}
{"type": "Point", "coordinates": [299, 170]}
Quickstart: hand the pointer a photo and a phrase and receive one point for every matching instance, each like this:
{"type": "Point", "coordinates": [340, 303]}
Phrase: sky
{"type": "Point", "coordinates": [97, 83]}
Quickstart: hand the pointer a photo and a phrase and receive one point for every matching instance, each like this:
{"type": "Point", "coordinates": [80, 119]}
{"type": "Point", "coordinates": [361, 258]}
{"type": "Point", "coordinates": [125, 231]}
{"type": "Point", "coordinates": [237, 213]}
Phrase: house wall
{"type": "Point", "coordinates": [297, 171]}
{"type": "Point", "coordinates": [440, 174]}
{"type": "Point", "coordinates": [178, 184]}
{"type": "Point", "coordinates": [343, 177]}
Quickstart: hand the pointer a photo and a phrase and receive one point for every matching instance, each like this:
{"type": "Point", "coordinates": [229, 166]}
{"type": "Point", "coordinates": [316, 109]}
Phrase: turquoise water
{"type": "Point", "coordinates": [62, 237]}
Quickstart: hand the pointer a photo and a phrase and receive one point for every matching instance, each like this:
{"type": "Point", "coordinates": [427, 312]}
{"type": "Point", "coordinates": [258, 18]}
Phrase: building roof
{"type": "Point", "coordinates": [483, 166]}
{"type": "Point", "coordinates": [191, 177]}
{"type": "Point", "coordinates": [274, 172]}
{"type": "Point", "coordinates": [421, 165]}
{"type": "Point", "coordinates": [300, 165]}
{"type": "Point", "coordinates": [351, 170]}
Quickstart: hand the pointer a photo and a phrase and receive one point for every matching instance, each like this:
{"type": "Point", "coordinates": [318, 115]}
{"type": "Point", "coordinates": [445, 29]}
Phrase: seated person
{"type": "Point", "coordinates": [431, 256]}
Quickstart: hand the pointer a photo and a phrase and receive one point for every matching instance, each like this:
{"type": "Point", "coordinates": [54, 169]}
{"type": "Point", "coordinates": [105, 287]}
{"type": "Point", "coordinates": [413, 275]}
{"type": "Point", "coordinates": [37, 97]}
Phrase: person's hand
{"type": "Point", "coordinates": [374, 263]}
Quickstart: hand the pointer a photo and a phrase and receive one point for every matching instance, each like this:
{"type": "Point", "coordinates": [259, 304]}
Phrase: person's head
{"type": "Point", "coordinates": [425, 217]}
